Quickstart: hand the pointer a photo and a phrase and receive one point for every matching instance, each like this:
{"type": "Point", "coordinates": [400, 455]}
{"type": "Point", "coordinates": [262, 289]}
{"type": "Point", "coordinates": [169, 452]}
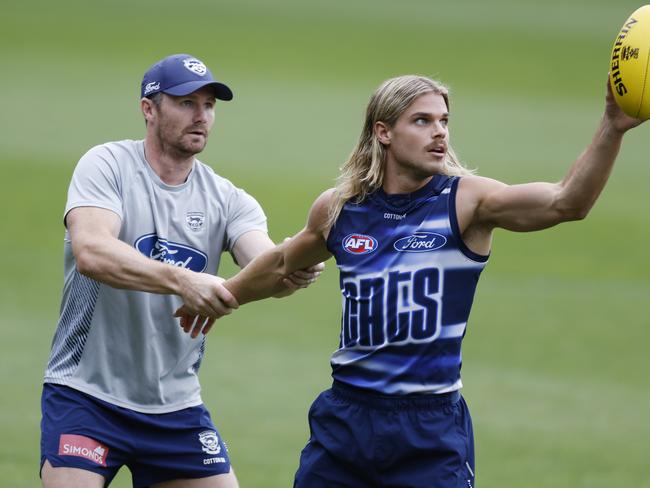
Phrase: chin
{"type": "Point", "coordinates": [434, 167]}
{"type": "Point", "coordinates": [194, 148]}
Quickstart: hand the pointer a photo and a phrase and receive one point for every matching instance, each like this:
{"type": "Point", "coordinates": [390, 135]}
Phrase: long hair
{"type": "Point", "coordinates": [363, 172]}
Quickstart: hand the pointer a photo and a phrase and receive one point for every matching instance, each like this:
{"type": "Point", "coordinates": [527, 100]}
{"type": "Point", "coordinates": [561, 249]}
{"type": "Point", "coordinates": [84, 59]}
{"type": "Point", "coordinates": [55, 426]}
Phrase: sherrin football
{"type": "Point", "coordinates": [629, 74]}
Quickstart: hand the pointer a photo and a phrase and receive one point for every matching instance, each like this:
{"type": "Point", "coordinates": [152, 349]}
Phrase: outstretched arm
{"type": "Point", "coordinates": [253, 243]}
{"type": "Point", "coordinates": [267, 275]}
{"type": "Point", "coordinates": [535, 206]}
{"type": "Point", "coordinates": [264, 277]}
{"type": "Point", "coordinates": [101, 256]}
{"type": "Point", "coordinates": [247, 247]}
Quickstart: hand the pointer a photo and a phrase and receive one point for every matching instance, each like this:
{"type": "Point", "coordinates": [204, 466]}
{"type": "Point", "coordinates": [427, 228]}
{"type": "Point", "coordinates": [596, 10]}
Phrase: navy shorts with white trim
{"type": "Point", "coordinates": [366, 440]}
{"type": "Point", "coordinates": [81, 431]}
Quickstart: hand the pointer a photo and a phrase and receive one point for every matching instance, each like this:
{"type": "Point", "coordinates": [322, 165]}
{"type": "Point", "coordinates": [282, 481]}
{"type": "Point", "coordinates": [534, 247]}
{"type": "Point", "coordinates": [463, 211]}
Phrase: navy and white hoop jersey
{"type": "Point", "coordinates": [408, 283]}
{"type": "Point", "coordinates": [124, 346]}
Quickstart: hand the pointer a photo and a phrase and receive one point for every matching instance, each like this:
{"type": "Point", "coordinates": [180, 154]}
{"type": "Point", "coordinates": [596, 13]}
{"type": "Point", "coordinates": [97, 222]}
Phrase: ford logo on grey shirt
{"type": "Point", "coordinates": [173, 253]}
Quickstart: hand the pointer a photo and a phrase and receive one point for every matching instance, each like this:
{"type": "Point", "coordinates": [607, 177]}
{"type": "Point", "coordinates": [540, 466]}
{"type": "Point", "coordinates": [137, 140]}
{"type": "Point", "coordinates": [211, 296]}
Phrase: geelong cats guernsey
{"type": "Point", "coordinates": [407, 282]}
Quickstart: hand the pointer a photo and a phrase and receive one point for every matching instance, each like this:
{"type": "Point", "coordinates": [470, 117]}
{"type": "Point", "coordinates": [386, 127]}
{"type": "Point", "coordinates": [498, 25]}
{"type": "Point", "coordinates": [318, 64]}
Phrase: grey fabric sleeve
{"type": "Point", "coordinates": [96, 182]}
{"type": "Point", "coordinates": [244, 214]}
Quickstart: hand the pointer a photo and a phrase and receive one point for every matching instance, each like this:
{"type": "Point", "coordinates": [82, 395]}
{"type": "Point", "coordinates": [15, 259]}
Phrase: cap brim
{"type": "Point", "coordinates": [221, 91]}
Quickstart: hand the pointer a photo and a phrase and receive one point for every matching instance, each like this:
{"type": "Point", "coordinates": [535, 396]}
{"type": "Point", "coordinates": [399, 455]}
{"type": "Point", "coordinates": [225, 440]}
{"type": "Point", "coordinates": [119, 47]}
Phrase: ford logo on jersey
{"type": "Point", "coordinates": [173, 253]}
{"type": "Point", "coordinates": [359, 244]}
{"type": "Point", "coordinates": [420, 242]}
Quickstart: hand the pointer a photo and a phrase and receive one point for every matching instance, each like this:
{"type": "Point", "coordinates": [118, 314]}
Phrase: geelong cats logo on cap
{"type": "Point", "coordinates": [195, 66]}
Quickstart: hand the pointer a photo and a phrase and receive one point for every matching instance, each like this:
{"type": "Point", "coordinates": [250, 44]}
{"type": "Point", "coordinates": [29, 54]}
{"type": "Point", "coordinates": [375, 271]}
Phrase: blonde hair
{"type": "Point", "coordinates": [363, 172]}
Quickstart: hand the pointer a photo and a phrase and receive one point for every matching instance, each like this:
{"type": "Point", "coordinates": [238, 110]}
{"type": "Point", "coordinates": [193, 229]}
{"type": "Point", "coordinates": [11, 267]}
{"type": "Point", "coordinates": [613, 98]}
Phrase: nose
{"type": "Point", "coordinates": [439, 129]}
{"type": "Point", "coordinates": [201, 114]}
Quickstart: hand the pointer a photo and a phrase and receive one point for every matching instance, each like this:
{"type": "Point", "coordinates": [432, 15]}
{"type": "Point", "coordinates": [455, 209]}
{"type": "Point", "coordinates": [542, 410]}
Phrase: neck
{"type": "Point", "coordinates": [171, 167]}
{"type": "Point", "coordinates": [404, 182]}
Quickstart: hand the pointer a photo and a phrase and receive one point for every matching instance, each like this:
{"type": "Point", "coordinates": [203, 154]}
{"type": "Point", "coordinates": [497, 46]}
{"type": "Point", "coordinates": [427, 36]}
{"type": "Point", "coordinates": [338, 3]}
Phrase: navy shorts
{"type": "Point", "coordinates": [361, 439]}
{"type": "Point", "coordinates": [81, 431]}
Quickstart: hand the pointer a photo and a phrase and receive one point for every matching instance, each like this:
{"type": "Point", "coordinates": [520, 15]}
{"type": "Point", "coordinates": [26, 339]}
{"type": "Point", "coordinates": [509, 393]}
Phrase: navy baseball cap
{"type": "Point", "coordinates": [181, 74]}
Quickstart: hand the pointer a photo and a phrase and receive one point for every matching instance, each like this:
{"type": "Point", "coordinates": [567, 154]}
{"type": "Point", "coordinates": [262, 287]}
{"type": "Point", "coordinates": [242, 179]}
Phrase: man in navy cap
{"type": "Point", "coordinates": [146, 223]}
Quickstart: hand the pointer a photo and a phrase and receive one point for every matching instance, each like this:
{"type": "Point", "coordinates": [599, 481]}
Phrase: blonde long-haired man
{"type": "Point", "coordinates": [410, 229]}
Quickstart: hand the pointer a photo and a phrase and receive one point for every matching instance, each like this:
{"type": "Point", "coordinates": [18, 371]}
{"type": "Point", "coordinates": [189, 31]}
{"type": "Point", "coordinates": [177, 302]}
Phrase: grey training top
{"type": "Point", "coordinates": [124, 346]}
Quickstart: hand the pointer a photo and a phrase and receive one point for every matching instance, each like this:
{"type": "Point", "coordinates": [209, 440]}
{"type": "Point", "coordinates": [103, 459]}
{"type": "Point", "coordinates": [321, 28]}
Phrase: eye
{"type": "Point", "coordinates": [187, 103]}
{"type": "Point", "coordinates": [421, 121]}
{"type": "Point", "coordinates": [444, 121]}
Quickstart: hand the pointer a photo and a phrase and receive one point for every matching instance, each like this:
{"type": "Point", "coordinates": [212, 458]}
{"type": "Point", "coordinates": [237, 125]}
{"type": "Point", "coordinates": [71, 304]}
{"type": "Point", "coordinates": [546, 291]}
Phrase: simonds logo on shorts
{"type": "Point", "coordinates": [173, 253]}
{"type": "Point", "coordinates": [82, 446]}
{"type": "Point", "coordinates": [359, 243]}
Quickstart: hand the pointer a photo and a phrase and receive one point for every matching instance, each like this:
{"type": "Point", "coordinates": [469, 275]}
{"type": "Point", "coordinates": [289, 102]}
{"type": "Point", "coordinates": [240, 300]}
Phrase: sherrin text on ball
{"type": "Point", "coordinates": [629, 65]}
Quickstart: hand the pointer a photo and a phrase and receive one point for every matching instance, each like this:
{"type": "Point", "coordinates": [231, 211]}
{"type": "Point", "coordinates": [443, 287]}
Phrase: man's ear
{"type": "Point", "coordinates": [148, 109]}
{"type": "Point", "coordinates": [382, 132]}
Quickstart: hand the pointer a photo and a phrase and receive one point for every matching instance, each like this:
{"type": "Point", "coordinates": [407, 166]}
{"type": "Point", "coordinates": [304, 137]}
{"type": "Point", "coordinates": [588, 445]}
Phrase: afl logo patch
{"type": "Point", "coordinates": [420, 242]}
{"type": "Point", "coordinates": [359, 244]}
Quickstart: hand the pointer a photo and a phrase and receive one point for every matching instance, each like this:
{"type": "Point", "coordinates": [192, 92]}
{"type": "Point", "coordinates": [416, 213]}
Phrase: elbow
{"type": "Point", "coordinates": [581, 213]}
{"type": "Point", "coordinates": [86, 263]}
{"type": "Point", "coordinates": [571, 214]}
{"type": "Point", "coordinates": [282, 266]}
{"type": "Point", "coordinates": [570, 209]}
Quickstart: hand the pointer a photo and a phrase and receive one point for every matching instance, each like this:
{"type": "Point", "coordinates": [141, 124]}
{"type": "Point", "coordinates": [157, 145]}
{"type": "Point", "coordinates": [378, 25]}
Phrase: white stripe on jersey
{"type": "Point", "coordinates": [452, 331]}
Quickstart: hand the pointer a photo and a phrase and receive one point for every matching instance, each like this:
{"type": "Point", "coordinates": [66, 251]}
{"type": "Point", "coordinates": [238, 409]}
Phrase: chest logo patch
{"type": "Point", "coordinates": [195, 220]}
{"type": "Point", "coordinates": [359, 243]}
{"type": "Point", "coordinates": [420, 242]}
{"type": "Point", "coordinates": [173, 253]}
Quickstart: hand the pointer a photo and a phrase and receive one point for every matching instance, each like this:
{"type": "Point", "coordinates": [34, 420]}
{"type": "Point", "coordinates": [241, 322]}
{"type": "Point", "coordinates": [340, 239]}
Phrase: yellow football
{"type": "Point", "coordinates": [628, 73]}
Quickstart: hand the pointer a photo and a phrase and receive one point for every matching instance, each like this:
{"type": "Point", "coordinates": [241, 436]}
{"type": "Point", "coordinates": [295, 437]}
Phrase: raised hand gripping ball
{"type": "Point", "coordinates": [629, 76]}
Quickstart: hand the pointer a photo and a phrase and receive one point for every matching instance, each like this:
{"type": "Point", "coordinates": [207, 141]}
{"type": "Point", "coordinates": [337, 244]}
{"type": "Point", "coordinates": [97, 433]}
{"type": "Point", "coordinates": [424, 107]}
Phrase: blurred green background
{"type": "Point", "coordinates": [555, 360]}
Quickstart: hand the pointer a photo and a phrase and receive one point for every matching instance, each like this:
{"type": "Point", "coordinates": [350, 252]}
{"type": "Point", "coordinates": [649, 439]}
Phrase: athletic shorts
{"type": "Point", "coordinates": [81, 431]}
{"type": "Point", "coordinates": [360, 439]}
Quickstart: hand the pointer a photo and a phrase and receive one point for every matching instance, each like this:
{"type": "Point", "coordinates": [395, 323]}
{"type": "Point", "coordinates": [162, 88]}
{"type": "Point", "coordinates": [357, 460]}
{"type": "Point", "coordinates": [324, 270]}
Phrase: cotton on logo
{"type": "Point", "coordinates": [359, 244]}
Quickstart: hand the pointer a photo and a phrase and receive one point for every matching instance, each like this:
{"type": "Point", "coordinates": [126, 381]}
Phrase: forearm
{"type": "Point", "coordinates": [262, 278]}
{"type": "Point", "coordinates": [117, 264]}
{"type": "Point", "coordinates": [587, 177]}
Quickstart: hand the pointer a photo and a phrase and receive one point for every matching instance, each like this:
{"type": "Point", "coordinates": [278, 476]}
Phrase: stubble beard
{"type": "Point", "coordinates": [179, 148]}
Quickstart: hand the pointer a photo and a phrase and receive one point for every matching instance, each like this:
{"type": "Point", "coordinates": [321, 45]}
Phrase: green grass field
{"type": "Point", "coordinates": [555, 360]}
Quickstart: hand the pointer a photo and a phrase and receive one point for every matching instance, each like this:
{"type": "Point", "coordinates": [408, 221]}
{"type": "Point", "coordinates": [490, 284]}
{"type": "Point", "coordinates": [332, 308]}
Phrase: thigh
{"type": "Point", "coordinates": [178, 446]}
{"type": "Point", "coordinates": [78, 433]}
{"type": "Point", "coordinates": [227, 480]}
{"type": "Point", "coordinates": [70, 477]}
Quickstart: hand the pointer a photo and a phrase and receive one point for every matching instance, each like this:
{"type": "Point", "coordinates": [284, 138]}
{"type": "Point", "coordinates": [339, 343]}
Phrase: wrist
{"type": "Point", "coordinates": [610, 129]}
{"type": "Point", "coordinates": [178, 279]}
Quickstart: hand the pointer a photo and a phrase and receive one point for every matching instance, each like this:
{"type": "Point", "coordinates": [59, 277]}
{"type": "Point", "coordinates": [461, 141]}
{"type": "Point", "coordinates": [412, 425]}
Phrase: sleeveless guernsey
{"type": "Point", "coordinates": [407, 283]}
